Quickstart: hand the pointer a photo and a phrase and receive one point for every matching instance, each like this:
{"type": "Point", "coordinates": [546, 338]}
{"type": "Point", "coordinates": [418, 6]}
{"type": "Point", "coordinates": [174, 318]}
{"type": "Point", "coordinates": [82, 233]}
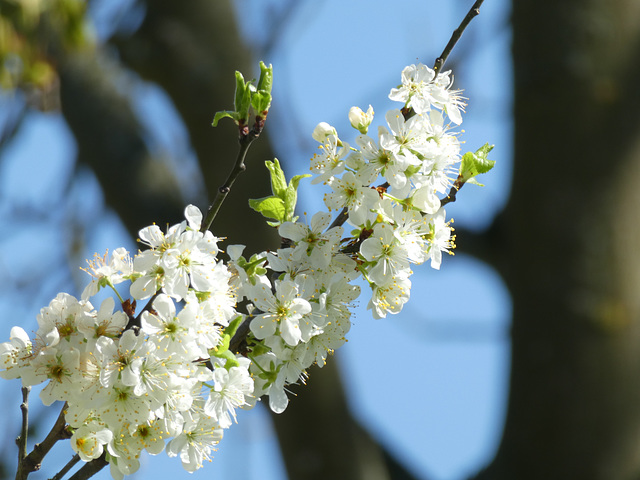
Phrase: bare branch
{"type": "Point", "coordinates": [22, 439]}
{"type": "Point", "coordinates": [246, 138]}
{"type": "Point", "coordinates": [70, 464]}
{"type": "Point", "coordinates": [90, 469]}
{"type": "Point", "coordinates": [32, 462]}
{"type": "Point", "coordinates": [457, 33]}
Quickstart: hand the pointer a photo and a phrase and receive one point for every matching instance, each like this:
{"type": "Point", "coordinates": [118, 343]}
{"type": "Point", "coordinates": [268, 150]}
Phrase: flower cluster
{"type": "Point", "coordinates": [132, 383]}
{"type": "Point", "coordinates": [400, 222]}
{"type": "Point", "coordinates": [171, 375]}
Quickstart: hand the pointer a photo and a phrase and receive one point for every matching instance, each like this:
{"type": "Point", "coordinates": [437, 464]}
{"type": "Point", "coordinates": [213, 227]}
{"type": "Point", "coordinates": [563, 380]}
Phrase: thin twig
{"type": "Point", "coordinates": [22, 439]}
{"type": "Point", "coordinates": [70, 464]}
{"type": "Point", "coordinates": [457, 33]}
{"type": "Point", "coordinates": [451, 197]}
{"type": "Point", "coordinates": [340, 219]}
{"type": "Point", "coordinates": [91, 468]}
{"type": "Point", "coordinates": [135, 323]}
{"type": "Point", "coordinates": [32, 462]}
{"type": "Point", "coordinates": [245, 140]}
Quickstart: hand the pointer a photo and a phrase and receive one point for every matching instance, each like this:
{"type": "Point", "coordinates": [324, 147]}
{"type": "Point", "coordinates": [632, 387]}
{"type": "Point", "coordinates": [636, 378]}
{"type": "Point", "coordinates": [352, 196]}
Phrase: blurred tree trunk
{"type": "Point", "coordinates": [573, 251]}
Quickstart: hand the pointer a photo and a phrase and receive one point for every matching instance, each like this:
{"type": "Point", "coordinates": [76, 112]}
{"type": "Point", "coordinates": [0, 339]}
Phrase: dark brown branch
{"type": "Point", "coordinates": [91, 468]}
{"type": "Point", "coordinates": [245, 140]}
{"type": "Point", "coordinates": [451, 197]}
{"type": "Point", "coordinates": [457, 33]}
{"type": "Point", "coordinates": [32, 462]}
{"type": "Point", "coordinates": [340, 219]}
{"type": "Point", "coordinates": [22, 439]}
{"type": "Point", "coordinates": [70, 464]}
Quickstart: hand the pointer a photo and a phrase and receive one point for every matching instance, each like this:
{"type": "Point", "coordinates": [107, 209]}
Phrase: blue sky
{"type": "Point", "coordinates": [439, 402]}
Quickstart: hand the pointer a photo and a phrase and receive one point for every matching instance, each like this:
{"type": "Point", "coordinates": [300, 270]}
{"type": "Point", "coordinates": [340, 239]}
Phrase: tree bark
{"type": "Point", "coordinates": [572, 244]}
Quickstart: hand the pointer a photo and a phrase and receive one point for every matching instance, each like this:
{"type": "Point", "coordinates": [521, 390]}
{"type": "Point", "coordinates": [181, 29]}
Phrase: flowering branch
{"type": "Point", "coordinates": [457, 33]}
{"type": "Point", "coordinates": [219, 335]}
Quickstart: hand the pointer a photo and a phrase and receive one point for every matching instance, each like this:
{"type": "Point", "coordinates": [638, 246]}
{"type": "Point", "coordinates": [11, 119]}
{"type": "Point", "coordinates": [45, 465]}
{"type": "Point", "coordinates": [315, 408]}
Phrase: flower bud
{"type": "Point", "coordinates": [322, 131]}
{"type": "Point", "coordinates": [360, 120]}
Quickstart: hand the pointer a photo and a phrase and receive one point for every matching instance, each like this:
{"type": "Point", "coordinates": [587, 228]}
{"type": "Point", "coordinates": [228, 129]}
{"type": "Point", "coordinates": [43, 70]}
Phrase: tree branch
{"type": "Point", "coordinates": [457, 33]}
{"type": "Point", "coordinates": [70, 464]}
{"type": "Point", "coordinates": [32, 462]}
{"type": "Point", "coordinates": [91, 468]}
{"type": "Point", "coordinates": [22, 439]}
{"type": "Point", "coordinates": [245, 140]}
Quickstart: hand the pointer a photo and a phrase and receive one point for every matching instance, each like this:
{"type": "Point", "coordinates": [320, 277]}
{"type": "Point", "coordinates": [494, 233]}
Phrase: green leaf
{"type": "Point", "coordinates": [291, 196]}
{"type": "Point", "coordinates": [233, 326]}
{"type": "Point", "coordinates": [242, 98]}
{"type": "Point", "coordinates": [265, 82]}
{"type": "Point", "coordinates": [231, 360]}
{"type": "Point", "coordinates": [281, 205]}
{"type": "Point", "coordinates": [473, 181]}
{"type": "Point", "coordinates": [270, 207]}
{"type": "Point", "coordinates": [258, 349]}
{"type": "Point", "coordinates": [260, 102]}
{"type": "Point", "coordinates": [474, 164]}
{"type": "Point", "coordinates": [225, 114]}
{"type": "Point", "coordinates": [278, 180]}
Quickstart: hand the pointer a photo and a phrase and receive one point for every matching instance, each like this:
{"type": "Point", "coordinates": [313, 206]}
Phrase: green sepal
{"type": "Point", "coordinates": [270, 375]}
{"type": "Point", "coordinates": [412, 170]}
{"type": "Point", "coordinates": [202, 296]}
{"type": "Point", "coordinates": [253, 267]}
{"type": "Point", "coordinates": [223, 352]}
{"type": "Point", "coordinates": [474, 164]}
